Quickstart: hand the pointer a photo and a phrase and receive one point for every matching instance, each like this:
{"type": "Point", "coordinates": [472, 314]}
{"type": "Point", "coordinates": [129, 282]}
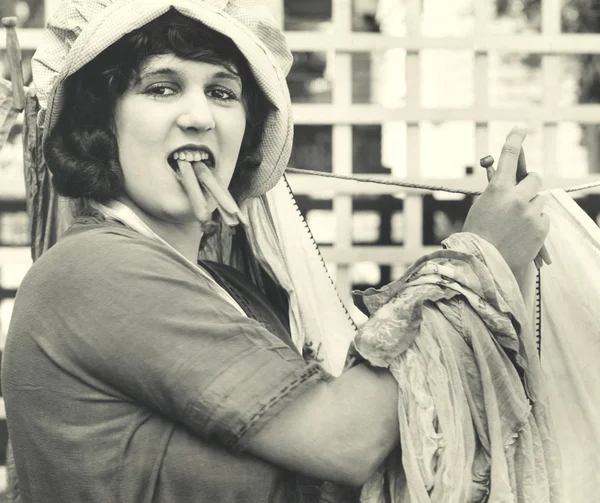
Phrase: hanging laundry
{"type": "Point", "coordinates": [570, 346]}
{"type": "Point", "coordinates": [475, 414]}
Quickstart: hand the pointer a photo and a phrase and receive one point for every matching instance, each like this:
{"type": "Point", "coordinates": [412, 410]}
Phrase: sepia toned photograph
{"type": "Point", "coordinates": [299, 251]}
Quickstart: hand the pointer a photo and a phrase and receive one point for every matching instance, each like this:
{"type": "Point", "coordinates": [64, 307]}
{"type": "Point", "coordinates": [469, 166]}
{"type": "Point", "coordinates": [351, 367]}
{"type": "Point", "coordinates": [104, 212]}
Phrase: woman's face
{"type": "Point", "coordinates": [176, 105]}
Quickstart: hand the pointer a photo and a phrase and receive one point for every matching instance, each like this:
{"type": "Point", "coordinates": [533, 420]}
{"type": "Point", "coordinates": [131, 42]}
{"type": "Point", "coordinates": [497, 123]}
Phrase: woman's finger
{"type": "Point", "coordinates": [538, 204]}
{"type": "Point", "coordinates": [521, 166]}
{"type": "Point", "coordinates": [506, 171]}
{"type": "Point", "coordinates": [530, 186]}
{"type": "Point", "coordinates": [487, 162]}
{"type": "Point", "coordinates": [545, 256]}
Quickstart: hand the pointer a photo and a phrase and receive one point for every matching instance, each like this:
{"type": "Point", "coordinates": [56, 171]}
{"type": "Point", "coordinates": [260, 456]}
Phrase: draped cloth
{"type": "Point", "coordinates": [8, 113]}
{"type": "Point", "coordinates": [473, 412]}
{"type": "Point", "coordinates": [481, 417]}
{"type": "Point", "coordinates": [570, 346]}
{"type": "Point", "coordinates": [49, 214]}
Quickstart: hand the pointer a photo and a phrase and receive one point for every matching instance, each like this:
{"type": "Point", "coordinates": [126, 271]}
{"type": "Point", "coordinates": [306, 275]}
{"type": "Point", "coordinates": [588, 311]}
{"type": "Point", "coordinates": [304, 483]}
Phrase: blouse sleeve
{"type": "Point", "coordinates": [138, 319]}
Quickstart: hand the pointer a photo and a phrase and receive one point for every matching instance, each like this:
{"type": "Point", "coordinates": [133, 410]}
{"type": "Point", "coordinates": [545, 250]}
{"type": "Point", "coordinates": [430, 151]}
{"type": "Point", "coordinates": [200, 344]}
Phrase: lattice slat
{"type": "Point", "coordinates": [342, 146]}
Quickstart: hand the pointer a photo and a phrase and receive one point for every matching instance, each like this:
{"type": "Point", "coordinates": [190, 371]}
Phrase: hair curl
{"type": "Point", "coordinates": [82, 152]}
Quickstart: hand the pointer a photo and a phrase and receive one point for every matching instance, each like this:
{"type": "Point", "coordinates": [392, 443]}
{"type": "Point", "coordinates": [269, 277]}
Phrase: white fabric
{"type": "Point", "coordinates": [282, 243]}
{"type": "Point", "coordinates": [570, 356]}
{"type": "Point", "coordinates": [472, 405]}
{"type": "Point", "coordinates": [571, 343]}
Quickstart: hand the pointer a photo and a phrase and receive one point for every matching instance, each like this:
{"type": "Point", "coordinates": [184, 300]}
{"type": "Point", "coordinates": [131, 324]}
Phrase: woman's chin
{"type": "Point", "coordinates": [181, 218]}
{"type": "Point", "coordinates": [176, 214]}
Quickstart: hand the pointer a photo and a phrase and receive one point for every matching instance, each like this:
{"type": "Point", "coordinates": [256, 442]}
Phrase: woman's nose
{"type": "Point", "coordinates": [196, 114]}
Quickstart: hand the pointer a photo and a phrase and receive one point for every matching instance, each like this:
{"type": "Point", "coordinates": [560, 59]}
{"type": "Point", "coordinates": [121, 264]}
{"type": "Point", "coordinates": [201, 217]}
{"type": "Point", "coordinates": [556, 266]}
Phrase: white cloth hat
{"type": "Point", "coordinates": [79, 30]}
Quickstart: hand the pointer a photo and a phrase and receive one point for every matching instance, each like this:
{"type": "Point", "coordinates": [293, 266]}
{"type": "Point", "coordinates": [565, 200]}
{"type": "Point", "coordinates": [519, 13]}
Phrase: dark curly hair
{"type": "Point", "coordinates": [81, 151]}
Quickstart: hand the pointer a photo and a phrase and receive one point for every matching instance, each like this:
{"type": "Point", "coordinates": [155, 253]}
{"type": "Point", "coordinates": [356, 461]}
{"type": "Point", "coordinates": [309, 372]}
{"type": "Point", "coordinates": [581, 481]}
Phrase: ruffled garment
{"type": "Point", "coordinates": [473, 416]}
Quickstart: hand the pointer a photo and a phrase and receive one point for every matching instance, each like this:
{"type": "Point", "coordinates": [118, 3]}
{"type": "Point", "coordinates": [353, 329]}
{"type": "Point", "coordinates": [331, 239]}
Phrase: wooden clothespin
{"type": "Point", "coordinates": [13, 51]}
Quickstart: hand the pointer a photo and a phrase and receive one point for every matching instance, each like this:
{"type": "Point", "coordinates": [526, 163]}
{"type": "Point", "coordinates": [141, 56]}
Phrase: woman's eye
{"type": "Point", "coordinates": [222, 94]}
{"type": "Point", "coordinates": [160, 90]}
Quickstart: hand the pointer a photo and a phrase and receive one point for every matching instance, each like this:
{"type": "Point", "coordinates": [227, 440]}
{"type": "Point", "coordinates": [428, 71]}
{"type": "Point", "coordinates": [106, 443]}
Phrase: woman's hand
{"type": "Point", "coordinates": [509, 215]}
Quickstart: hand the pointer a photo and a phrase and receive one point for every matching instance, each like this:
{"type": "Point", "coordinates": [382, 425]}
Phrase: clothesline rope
{"type": "Point", "coordinates": [421, 186]}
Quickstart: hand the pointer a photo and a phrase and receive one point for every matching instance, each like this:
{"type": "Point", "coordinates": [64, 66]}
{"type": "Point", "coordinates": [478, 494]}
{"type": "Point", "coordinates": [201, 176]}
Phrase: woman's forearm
{"type": "Point", "coordinates": [339, 431]}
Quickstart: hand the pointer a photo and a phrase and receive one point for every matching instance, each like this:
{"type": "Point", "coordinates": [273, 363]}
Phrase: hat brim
{"type": "Point", "coordinates": [118, 19]}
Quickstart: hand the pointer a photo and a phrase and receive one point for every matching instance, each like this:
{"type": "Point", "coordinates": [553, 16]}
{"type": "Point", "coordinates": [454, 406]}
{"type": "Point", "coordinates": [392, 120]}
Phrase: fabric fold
{"type": "Point", "coordinates": [474, 424]}
{"type": "Point", "coordinates": [8, 114]}
{"type": "Point", "coordinates": [282, 243]}
{"type": "Point", "coordinates": [570, 342]}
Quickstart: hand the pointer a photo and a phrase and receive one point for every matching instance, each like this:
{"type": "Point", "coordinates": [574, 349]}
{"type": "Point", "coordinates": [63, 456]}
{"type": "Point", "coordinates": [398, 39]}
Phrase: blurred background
{"type": "Point", "coordinates": [411, 89]}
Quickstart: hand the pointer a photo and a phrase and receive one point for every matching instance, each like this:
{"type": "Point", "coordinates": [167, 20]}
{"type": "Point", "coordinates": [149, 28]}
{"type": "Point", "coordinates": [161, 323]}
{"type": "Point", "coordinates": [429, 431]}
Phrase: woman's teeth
{"type": "Point", "coordinates": [190, 156]}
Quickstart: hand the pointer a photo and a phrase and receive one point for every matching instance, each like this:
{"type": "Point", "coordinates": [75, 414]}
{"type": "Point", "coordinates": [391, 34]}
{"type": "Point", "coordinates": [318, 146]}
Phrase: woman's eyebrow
{"type": "Point", "coordinates": [224, 74]}
{"type": "Point", "coordinates": [169, 72]}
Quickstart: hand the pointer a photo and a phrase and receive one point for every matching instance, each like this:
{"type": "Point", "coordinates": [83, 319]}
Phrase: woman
{"type": "Point", "coordinates": [131, 371]}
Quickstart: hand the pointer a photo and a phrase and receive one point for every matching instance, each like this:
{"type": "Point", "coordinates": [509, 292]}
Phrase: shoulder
{"type": "Point", "coordinates": [91, 241]}
{"type": "Point", "coordinates": [100, 277]}
{"type": "Point", "coordinates": [98, 253]}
